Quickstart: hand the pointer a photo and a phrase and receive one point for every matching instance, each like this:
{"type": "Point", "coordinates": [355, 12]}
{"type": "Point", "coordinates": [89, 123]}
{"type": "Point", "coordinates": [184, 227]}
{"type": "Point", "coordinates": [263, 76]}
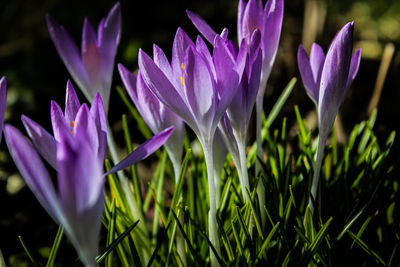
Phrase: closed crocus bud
{"type": "Point", "coordinates": [327, 80]}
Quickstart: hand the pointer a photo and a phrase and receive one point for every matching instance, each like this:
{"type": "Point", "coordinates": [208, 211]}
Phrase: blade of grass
{"type": "Point", "coordinates": [365, 247]}
{"type": "Point", "coordinates": [28, 252]}
{"type": "Point", "coordinates": [54, 248]}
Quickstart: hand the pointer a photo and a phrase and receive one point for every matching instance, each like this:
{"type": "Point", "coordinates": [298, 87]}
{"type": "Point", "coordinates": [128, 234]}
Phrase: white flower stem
{"type": "Point", "coordinates": [244, 183]}
{"type": "Point", "coordinates": [212, 213]}
{"type": "Point", "coordinates": [260, 155]}
{"type": "Point", "coordinates": [317, 170]}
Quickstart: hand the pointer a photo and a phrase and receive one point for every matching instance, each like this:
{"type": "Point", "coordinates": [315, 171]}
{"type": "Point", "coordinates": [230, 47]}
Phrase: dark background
{"type": "Point", "coordinates": [36, 75]}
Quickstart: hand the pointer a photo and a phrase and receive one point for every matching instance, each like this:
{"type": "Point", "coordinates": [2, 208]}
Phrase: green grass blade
{"type": "Point", "coordinates": [116, 242]}
{"type": "Point", "coordinates": [267, 240]}
{"type": "Point", "coordinates": [366, 248]}
{"type": "Point", "coordinates": [28, 252]}
{"type": "Point", "coordinates": [111, 232]}
{"type": "Point", "coordinates": [54, 248]}
{"type": "Point", "coordinates": [280, 102]}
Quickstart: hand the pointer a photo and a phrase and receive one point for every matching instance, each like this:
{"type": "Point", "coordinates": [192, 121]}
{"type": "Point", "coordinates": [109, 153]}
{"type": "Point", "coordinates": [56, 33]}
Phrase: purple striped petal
{"type": "Point", "coordinates": [354, 66]}
{"type": "Point", "coordinates": [198, 85]}
{"type": "Point", "coordinates": [144, 150]}
{"type": "Point", "coordinates": [306, 74]}
{"type": "Point", "coordinates": [58, 121]}
{"type": "Point", "coordinates": [99, 116]}
{"type": "Point", "coordinates": [181, 43]}
{"type": "Point", "coordinates": [81, 183]}
{"type": "Point", "coordinates": [91, 57]}
{"type": "Point", "coordinates": [71, 103]}
{"type": "Point", "coordinates": [32, 170]}
{"type": "Point", "coordinates": [241, 8]}
{"type": "Point", "coordinates": [252, 18]}
{"type": "Point", "coordinates": [42, 140]}
{"type": "Point", "coordinates": [317, 59]}
{"type": "Point", "coordinates": [3, 102]}
{"type": "Point", "coordinates": [271, 32]}
{"type": "Point", "coordinates": [85, 127]}
{"type": "Point", "coordinates": [69, 53]}
{"type": "Point", "coordinates": [202, 26]}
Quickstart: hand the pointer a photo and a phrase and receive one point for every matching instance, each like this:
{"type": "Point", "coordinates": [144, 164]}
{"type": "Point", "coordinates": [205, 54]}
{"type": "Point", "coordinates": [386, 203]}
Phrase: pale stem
{"type": "Point", "coordinates": [260, 155]}
{"type": "Point", "coordinates": [244, 183]}
{"type": "Point", "coordinates": [212, 213]}
{"type": "Point", "coordinates": [217, 180]}
{"type": "Point", "coordinates": [317, 170]}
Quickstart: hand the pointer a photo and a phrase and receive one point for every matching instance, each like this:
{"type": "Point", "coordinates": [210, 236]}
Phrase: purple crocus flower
{"type": "Point", "coordinates": [76, 120]}
{"type": "Point", "coordinates": [3, 102]}
{"type": "Point", "coordinates": [327, 80]}
{"type": "Point", "coordinates": [92, 69]}
{"type": "Point", "coordinates": [78, 202]}
{"type": "Point", "coordinates": [156, 115]}
{"type": "Point", "coordinates": [198, 87]}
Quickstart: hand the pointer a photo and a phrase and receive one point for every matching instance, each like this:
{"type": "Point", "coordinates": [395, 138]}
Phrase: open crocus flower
{"type": "Point", "coordinates": [76, 120]}
{"type": "Point", "coordinates": [78, 203]}
{"type": "Point", "coordinates": [3, 102]}
{"type": "Point", "coordinates": [92, 69]}
{"type": "Point", "coordinates": [156, 115]}
{"type": "Point", "coordinates": [198, 87]}
{"type": "Point", "coordinates": [327, 80]}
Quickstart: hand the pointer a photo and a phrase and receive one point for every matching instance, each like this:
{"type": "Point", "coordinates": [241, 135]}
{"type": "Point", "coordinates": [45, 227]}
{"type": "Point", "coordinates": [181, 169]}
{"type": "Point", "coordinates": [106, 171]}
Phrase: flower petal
{"type": "Point", "coordinates": [202, 26]}
{"type": "Point", "coordinates": [81, 183]}
{"type": "Point", "coordinates": [69, 53]}
{"type": "Point", "coordinates": [306, 74]}
{"type": "Point", "coordinates": [3, 102]}
{"type": "Point", "coordinates": [32, 169]}
{"type": "Point", "coordinates": [85, 127]}
{"type": "Point", "coordinates": [91, 58]}
{"type": "Point", "coordinates": [354, 65]}
{"type": "Point", "coordinates": [42, 140]}
{"type": "Point", "coordinates": [144, 150]}
{"type": "Point", "coordinates": [317, 59]}
{"type": "Point", "coordinates": [71, 103]}
{"type": "Point", "coordinates": [99, 116]}
{"type": "Point", "coordinates": [58, 121]}
{"type": "Point", "coordinates": [198, 86]}
{"type": "Point", "coordinates": [271, 32]}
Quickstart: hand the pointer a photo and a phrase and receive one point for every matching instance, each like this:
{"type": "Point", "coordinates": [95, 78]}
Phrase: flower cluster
{"type": "Point", "coordinates": [212, 91]}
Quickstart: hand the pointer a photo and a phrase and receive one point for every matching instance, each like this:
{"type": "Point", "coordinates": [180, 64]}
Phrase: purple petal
{"type": "Point", "coordinates": [81, 183]}
{"type": "Point", "coordinates": [271, 32]}
{"type": "Point", "coordinates": [58, 121]}
{"type": "Point", "coordinates": [161, 60]}
{"type": "Point", "coordinates": [241, 8]}
{"type": "Point", "coordinates": [306, 74]}
{"type": "Point", "coordinates": [159, 84]}
{"type": "Point", "coordinates": [3, 102]}
{"type": "Point", "coordinates": [181, 43]}
{"type": "Point", "coordinates": [144, 150]}
{"type": "Point", "coordinates": [354, 65]}
{"type": "Point", "coordinates": [109, 34]}
{"type": "Point", "coordinates": [43, 141]}
{"type": "Point", "coordinates": [317, 59]}
{"type": "Point", "coordinates": [33, 171]}
{"type": "Point", "coordinates": [99, 116]}
{"type": "Point", "coordinates": [202, 26]}
{"type": "Point", "coordinates": [68, 52]}
{"type": "Point", "coordinates": [253, 84]}
{"type": "Point", "coordinates": [198, 85]}
{"type": "Point", "coordinates": [227, 77]}
{"type": "Point", "coordinates": [252, 19]}
{"type": "Point", "coordinates": [91, 57]}
{"type": "Point", "coordinates": [85, 127]}
{"type": "Point", "coordinates": [334, 77]}
{"type": "Point", "coordinates": [71, 103]}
